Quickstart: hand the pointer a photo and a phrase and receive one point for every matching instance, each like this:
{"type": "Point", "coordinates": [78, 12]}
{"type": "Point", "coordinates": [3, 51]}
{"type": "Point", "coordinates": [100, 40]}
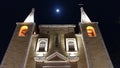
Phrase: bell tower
{"type": "Point", "coordinates": [17, 53]}
{"type": "Point", "coordinates": [95, 50]}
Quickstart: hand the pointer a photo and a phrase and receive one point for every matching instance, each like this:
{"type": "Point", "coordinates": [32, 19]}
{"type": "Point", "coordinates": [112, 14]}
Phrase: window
{"type": "Point", "coordinates": [42, 45]}
{"type": "Point", "coordinates": [71, 45]}
{"type": "Point", "coordinates": [23, 31]}
{"type": "Point", "coordinates": [91, 31]}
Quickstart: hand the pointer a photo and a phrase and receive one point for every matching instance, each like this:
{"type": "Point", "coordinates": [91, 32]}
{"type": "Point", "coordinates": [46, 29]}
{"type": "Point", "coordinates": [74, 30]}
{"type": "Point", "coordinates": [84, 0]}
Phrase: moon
{"type": "Point", "coordinates": [57, 10]}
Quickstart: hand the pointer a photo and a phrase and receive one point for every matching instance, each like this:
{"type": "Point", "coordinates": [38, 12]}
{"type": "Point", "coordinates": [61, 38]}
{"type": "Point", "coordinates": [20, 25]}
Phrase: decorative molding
{"type": "Point", "coordinates": [58, 55]}
{"type": "Point", "coordinates": [52, 26]}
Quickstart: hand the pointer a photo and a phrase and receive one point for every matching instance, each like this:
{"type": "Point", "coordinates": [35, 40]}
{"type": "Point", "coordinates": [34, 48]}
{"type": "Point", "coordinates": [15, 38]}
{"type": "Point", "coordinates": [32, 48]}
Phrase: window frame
{"type": "Point", "coordinates": [75, 44]}
{"type": "Point", "coordinates": [38, 44]}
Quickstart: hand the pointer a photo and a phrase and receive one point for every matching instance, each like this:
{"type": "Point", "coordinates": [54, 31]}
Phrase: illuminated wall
{"type": "Point", "coordinates": [91, 31]}
{"type": "Point", "coordinates": [23, 30]}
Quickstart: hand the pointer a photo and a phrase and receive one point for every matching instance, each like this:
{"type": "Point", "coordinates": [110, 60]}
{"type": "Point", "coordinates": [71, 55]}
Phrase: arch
{"type": "Point", "coordinates": [91, 31]}
{"type": "Point", "coordinates": [71, 46]}
{"type": "Point", "coordinates": [42, 45]}
{"type": "Point", "coordinates": [23, 31]}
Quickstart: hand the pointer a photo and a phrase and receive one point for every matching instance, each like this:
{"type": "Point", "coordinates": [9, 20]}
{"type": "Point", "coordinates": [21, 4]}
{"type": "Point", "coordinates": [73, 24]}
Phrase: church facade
{"type": "Point", "coordinates": [56, 46]}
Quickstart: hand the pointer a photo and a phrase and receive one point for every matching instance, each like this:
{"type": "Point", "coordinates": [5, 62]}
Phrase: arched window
{"type": "Point", "coordinates": [91, 31]}
{"type": "Point", "coordinates": [42, 45]}
{"type": "Point", "coordinates": [71, 45]}
{"type": "Point", "coordinates": [23, 31]}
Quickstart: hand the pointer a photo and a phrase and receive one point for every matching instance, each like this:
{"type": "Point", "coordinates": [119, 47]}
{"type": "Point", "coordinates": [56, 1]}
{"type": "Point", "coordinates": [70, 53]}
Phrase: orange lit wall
{"type": "Point", "coordinates": [23, 31]}
{"type": "Point", "coordinates": [91, 31]}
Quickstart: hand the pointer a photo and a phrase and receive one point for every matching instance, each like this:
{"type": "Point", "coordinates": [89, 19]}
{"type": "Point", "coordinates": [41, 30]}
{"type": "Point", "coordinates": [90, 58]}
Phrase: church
{"type": "Point", "coordinates": [56, 45]}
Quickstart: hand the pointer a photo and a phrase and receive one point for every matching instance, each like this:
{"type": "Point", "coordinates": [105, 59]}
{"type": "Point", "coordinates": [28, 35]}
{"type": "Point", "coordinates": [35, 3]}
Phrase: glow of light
{"type": "Point", "coordinates": [39, 41]}
{"type": "Point", "coordinates": [23, 31]}
{"type": "Point", "coordinates": [72, 54]}
{"type": "Point", "coordinates": [57, 10]}
{"type": "Point", "coordinates": [91, 31]}
{"type": "Point", "coordinates": [71, 40]}
{"type": "Point", "coordinates": [40, 53]}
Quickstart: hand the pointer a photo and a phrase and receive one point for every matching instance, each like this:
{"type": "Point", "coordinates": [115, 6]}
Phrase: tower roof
{"type": "Point", "coordinates": [84, 17]}
{"type": "Point", "coordinates": [30, 17]}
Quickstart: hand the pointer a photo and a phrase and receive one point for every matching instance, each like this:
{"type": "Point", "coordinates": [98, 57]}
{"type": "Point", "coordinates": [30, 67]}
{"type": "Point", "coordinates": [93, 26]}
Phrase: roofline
{"type": "Point", "coordinates": [58, 25]}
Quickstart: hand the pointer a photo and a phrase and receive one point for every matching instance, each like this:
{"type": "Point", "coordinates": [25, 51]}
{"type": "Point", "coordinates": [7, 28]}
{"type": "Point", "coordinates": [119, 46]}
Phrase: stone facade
{"type": "Point", "coordinates": [57, 46]}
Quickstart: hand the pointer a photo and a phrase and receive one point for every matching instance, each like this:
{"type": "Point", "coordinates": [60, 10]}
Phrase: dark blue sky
{"type": "Point", "coordinates": [106, 12]}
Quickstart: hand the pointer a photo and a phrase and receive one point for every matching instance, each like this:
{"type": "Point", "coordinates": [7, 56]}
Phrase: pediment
{"type": "Point", "coordinates": [56, 56]}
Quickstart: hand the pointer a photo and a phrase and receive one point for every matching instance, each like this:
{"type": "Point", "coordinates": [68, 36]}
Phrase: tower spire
{"type": "Point", "coordinates": [30, 17]}
{"type": "Point", "coordinates": [84, 17]}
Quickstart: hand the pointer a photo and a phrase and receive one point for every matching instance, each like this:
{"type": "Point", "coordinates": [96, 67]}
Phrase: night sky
{"type": "Point", "coordinates": [106, 12]}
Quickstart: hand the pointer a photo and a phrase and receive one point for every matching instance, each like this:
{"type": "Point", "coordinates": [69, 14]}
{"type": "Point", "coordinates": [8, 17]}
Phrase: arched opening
{"type": "Point", "coordinates": [42, 46]}
{"type": "Point", "coordinates": [91, 31]}
{"type": "Point", "coordinates": [71, 46]}
{"type": "Point", "coordinates": [23, 31]}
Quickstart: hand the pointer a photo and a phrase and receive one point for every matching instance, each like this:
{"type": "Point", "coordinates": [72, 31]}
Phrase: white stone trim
{"type": "Point", "coordinates": [71, 40]}
{"type": "Point", "coordinates": [56, 26]}
{"type": "Point", "coordinates": [56, 54]}
{"type": "Point", "coordinates": [42, 40]}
